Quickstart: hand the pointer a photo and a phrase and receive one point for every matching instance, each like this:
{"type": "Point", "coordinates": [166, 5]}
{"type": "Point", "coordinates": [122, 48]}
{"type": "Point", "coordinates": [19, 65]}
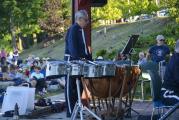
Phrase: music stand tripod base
{"type": "Point", "coordinates": [79, 106]}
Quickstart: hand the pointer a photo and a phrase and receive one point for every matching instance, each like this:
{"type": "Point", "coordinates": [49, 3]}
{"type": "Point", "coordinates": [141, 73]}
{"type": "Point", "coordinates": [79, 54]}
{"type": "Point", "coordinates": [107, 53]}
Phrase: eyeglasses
{"type": "Point", "coordinates": [86, 20]}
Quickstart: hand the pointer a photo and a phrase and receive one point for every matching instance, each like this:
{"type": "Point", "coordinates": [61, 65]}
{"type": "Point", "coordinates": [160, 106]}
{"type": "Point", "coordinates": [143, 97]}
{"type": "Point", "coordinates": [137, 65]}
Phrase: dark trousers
{"type": "Point", "coordinates": [156, 85]}
{"type": "Point", "coordinates": [40, 85]}
{"type": "Point", "coordinates": [152, 69]}
{"type": "Point", "coordinates": [73, 97]}
{"type": "Point", "coordinates": [3, 61]}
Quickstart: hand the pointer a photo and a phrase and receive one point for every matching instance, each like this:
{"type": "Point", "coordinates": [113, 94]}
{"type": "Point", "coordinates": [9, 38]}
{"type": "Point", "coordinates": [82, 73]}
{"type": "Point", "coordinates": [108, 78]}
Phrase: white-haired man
{"type": "Point", "coordinates": [142, 59]}
{"type": "Point", "coordinates": [77, 49]}
{"type": "Point", "coordinates": [170, 87]}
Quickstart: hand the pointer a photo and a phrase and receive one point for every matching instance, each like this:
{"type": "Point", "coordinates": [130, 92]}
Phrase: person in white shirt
{"type": "Point", "coordinates": [9, 58]}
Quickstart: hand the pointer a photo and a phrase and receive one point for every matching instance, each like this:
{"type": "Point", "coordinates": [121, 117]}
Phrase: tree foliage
{"type": "Point", "coordinates": [173, 7]}
{"type": "Point", "coordinates": [108, 12]}
{"type": "Point", "coordinates": [57, 13]}
{"type": "Point", "coordinates": [19, 16]}
{"type": "Point", "coordinates": [124, 8]}
{"type": "Point", "coordinates": [24, 17]}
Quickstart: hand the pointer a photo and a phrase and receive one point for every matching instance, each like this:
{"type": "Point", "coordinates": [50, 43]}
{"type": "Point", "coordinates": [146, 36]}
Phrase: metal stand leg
{"type": "Point", "coordinates": [68, 101]}
{"type": "Point", "coordinates": [79, 106]}
{"type": "Point", "coordinates": [172, 110]}
{"type": "Point", "coordinates": [142, 89]}
{"type": "Point", "coordinates": [68, 80]}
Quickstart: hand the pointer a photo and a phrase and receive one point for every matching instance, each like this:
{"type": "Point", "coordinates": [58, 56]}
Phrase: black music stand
{"type": "Point", "coordinates": [128, 49]}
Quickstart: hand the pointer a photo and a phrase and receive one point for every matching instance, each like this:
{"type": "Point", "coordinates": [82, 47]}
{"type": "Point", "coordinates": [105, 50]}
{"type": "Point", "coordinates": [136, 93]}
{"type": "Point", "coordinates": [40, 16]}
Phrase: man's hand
{"type": "Point", "coordinates": [90, 49]}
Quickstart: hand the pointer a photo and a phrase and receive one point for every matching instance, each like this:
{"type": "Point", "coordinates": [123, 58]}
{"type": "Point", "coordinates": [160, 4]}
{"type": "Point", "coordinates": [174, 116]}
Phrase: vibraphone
{"type": "Point", "coordinates": [108, 83]}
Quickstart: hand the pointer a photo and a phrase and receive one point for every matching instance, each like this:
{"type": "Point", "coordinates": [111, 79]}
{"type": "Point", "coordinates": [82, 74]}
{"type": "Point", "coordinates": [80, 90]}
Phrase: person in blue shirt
{"type": "Point", "coordinates": [76, 48]}
{"type": "Point", "coordinates": [170, 87]}
{"type": "Point", "coordinates": [76, 45]}
{"type": "Point", "coordinates": [37, 79]}
{"type": "Point", "coordinates": [158, 52]}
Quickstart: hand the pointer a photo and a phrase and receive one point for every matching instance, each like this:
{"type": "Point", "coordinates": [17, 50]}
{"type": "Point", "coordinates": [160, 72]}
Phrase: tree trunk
{"type": "Point", "coordinates": [20, 47]}
{"type": "Point", "coordinates": [157, 3]}
{"type": "Point", "coordinates": [35, 38]}
{"type": "Point", "coordinates": [12, 30]}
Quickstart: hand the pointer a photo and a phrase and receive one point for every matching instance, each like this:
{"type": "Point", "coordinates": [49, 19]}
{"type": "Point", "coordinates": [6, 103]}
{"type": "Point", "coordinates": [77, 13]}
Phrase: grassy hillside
{"type": "Point", "coordinates": [115, 37]}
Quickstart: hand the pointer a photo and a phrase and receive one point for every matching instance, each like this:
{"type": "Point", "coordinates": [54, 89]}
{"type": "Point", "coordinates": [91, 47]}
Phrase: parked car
{"type": "Point", "coordinates": [163, 13]}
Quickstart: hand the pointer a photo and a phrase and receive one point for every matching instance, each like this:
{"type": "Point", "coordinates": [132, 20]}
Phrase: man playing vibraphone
{"type": "Point", "coordinates": [75, 49]}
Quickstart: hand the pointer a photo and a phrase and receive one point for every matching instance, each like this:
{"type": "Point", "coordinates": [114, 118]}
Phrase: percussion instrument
{"type": "Point", "coordinates": [91, 70]}
{"type": "Point", "coordinates": [107, 68]}
{"type": "Point", "coordinates": [105, 87]}
{"type": "Point", "coordinates": [76, 68]}
{"type": "Point", "coordinates": [131, 79]}
{"type": "Point", "coordinates": [56, 68]}
{"type": "Point", "coordinates": [162, 68]}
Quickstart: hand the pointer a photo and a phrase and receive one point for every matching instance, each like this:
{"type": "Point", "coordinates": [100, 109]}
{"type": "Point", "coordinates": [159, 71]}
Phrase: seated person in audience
{"type": "Point", "coordinates": [37, 79]}
{"type": "Point", "coordinates": [142, 59]}
{"type": "Point", "coordinates": [170, 87]}
{"type": "Point", "coordinates": [43, 70]}
{"type": "Point", "coordinates": [43, 62]}
{"type": "Point", "coordinates": [30, 60]}
{"type": "Point", "coordinates": [5, 72]}
{"type": "Point", "coordinates": [15, 75]}
{"type": "Point", "coordinates": [1, 75]}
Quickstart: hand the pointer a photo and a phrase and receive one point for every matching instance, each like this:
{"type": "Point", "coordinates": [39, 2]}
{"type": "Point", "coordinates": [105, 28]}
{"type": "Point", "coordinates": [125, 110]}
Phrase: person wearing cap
{"type": "Point", "coordinates": [158, 52]}
{"type": "Point", "coordinates": [170, 86]}
{"type": "Point", "coordinates": [75, 49]}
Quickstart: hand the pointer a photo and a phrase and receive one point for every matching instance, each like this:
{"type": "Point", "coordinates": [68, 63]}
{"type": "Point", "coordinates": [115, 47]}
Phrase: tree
{"type": "Point", "coordinates": [19, 16]}
{"type": "Point", "coordinates": [108, 12]}
{"type": "Point", "coordinates": [173, 7]}
{"type": "Point", "coordinates": [137, 7]}
{"type": "Point", "coordinates": [124, 8]}
{"type": "Point", "coordinates": [57, 12]}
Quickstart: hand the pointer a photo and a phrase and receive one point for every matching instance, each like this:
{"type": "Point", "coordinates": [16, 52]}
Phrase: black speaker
{"type": "Point", "coordinates": [98, 3]}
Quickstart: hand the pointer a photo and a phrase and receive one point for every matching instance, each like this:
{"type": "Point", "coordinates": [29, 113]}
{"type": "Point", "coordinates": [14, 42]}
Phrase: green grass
{"type": "Point", "coordinates": [115, 38]}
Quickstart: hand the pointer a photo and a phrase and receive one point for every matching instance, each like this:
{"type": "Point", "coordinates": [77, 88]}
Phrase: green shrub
{"type": "Point", "coordinates": [102, 53]}
{"type": "Point", "coordinates": [111, 55]}
{"type": "Point", "coordinates": [5, 42]}
{"type": "Point", "coordinates": [106, 54]}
